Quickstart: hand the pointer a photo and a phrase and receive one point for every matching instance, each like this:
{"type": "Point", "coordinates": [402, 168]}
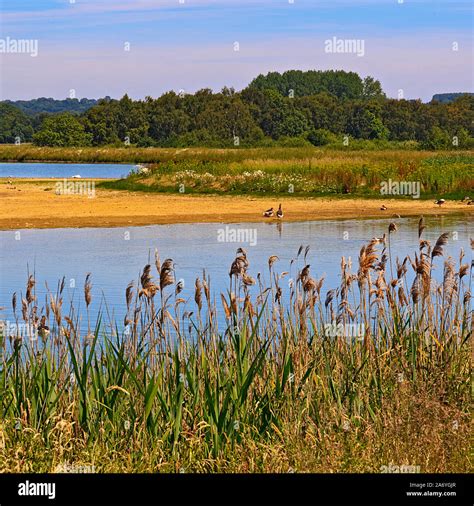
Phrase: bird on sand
{"type": "Point", "coordinates": [280, 213]}
{"type": "Point", "coordinates": [440, 202]}
{"type": "Point", "coordinates": [384, 207]}
{"type": "Point", "coordinates": [268, 213]}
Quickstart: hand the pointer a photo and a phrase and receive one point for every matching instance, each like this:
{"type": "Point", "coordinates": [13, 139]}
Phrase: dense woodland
{"type": "Point", "coordinates": [292, 109]}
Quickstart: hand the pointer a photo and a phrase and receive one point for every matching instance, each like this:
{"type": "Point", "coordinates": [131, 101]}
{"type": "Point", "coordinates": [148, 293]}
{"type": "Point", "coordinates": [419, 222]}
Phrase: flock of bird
{"type": "Point", "coordinates": [270, 213]}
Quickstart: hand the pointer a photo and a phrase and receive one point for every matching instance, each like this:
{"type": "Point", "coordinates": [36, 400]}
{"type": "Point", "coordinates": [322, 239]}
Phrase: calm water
{"type": "Point", "coordinates": [116, 256]}
{"type": "Point", "coordinates": [64, 170]}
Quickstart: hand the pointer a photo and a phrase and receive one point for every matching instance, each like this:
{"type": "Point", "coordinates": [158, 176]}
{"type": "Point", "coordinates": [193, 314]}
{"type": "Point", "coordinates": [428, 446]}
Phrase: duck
{"type": "Point", "coordinates": [268, 213]}
{"type": "Point", "coordinates": [43, 329]}
{"type": "Point", "coordinates": [279, 212]}
{"type": "Point", "coordinates": [384, 207]}
{"type": "Point", "coordinates": [440, 202]}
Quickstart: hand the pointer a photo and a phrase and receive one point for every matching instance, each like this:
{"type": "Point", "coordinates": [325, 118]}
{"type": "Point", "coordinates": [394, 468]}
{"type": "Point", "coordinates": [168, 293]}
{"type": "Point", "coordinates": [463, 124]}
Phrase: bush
{"type": "Point", "coordinates": [292, 142]}
{"type": "Point", "coordinates": [437, 139]}
{"type": "Point", "coordinates": [321, 137]}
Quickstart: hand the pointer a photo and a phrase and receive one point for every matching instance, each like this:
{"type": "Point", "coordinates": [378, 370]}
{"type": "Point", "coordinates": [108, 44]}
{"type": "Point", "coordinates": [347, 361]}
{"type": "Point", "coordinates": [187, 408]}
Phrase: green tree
{"type": "Point", "coordinates": [372, 88]}
{"type": "Point", "coordinates": [131, 121]}
{"type": "Point", "coordinates": [167, 118]}
{"type": "Point", "coordinates": [344, 85]}
{"type": "Point", "coordinates": [14, 124]}
{"type": "Point", "coordinates": [364, 123]}
{"type": "Point", "coordinates": [101, 122]}
{"type": "Point", "coordinates": [227, 119]}
{"type": "Point", "coordinates": [323, 111]}
{"type": "Point", "coordinates": [437, 139]}
{"type": "Point", "coordinates": [62, 130]}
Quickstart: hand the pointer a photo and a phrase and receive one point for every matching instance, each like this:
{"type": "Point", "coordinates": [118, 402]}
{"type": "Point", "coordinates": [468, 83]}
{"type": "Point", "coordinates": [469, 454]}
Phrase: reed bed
{"type": "Point", "coordinates": [273, 381]}
{"type": "Point", "coordinates": [372, 150]}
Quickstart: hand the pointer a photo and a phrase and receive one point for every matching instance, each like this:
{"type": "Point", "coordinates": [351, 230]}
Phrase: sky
{"type": "Point", "coordinates": [94, 48]}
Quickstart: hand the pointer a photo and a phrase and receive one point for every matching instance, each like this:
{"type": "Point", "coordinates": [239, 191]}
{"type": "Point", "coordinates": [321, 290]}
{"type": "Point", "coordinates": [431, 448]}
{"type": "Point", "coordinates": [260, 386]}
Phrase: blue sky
{"type": "Point", "coordinates": [190, 45]}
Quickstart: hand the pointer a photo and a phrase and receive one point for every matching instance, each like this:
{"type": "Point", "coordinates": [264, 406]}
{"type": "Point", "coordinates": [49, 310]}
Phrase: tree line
{"type": "Point", "coordinates": [294, 108]}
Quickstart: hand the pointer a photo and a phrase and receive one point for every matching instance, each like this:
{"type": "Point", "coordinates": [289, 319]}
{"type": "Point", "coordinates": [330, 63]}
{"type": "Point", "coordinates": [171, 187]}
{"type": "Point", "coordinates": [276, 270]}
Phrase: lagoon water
{"type": "Point", "coordinates": [64, 170]}
{"type": "Point", "coordinates": [116, 256]}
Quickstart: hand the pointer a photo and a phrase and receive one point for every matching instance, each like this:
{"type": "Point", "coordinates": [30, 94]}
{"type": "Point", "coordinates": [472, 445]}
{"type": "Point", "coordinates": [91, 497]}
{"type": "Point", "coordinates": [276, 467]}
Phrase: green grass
{"type": "Point", "coordinates": [357, 170]}
{"type": "Point", "coordinates": [450, 175]}
{"type": "Point", "coordinates": [266, 391]}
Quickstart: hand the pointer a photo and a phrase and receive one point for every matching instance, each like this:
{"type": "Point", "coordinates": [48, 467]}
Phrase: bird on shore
{"type": "Point", "coordinates": [440, 202]}
{"type": "Point", "coordinates": [466, 199]}
{"type": "Point", "coordinates": [384, 207]}
{"type": "Point", "coordinates": [279, 212]}
{"type": "Point", "coordinates": [268, 213]}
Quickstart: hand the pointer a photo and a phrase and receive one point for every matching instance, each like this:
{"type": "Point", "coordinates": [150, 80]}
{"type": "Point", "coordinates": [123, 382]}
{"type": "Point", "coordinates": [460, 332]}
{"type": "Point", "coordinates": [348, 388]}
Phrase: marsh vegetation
{"type": "Point", "coordinates": [263, 387]}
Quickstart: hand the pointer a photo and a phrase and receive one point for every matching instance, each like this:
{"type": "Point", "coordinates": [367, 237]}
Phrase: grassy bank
{"type": "Point", "coordinates": [273, 389]}
{"type": "Point", "coordinates": [304, 171]}
{"type": "Point", "coordinates": [361, 174]}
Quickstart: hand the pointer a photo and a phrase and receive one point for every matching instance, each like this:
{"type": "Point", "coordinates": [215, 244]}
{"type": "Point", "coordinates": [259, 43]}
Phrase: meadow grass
{"type": "Point", "coordinates": [249, 383]}
{"type": "Point", "coordinates": [357, 170]}
{"type": "Point", "coordinates": [357, 174]}
{"type": "Point", "coordinates": [131, 154]}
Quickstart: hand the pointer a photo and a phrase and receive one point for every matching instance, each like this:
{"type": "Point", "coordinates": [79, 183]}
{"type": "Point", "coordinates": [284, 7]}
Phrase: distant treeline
{"type": "Point", "coordinates": [292, 109]}
{"type": "Point", "coordinates": [52, 105]}
{"type": "Point", "coordinates": [449, 97]}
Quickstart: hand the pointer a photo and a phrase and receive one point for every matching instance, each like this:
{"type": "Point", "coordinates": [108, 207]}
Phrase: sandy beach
{"type": "Point", "coordinates": [34, 204]}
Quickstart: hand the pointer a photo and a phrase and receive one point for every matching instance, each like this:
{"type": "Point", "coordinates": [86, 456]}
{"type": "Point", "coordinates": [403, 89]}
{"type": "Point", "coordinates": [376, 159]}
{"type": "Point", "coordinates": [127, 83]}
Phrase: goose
{"type": "Point", "coordinates": [279, 212]}
{"type": "Point", "coordinates": [384, 207]}
{"type": "Point", "coordinates": [268, 213]}
{"type": "Point", "coordinates": [440, 202]}
{"type": "Point", "coordinates": [43, 329]}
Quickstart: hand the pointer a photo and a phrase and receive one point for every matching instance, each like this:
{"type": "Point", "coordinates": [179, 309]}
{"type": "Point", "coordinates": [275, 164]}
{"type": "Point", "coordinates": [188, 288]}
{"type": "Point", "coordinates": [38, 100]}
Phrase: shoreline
{"type": "Point", "coordinates": [28, 204]}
